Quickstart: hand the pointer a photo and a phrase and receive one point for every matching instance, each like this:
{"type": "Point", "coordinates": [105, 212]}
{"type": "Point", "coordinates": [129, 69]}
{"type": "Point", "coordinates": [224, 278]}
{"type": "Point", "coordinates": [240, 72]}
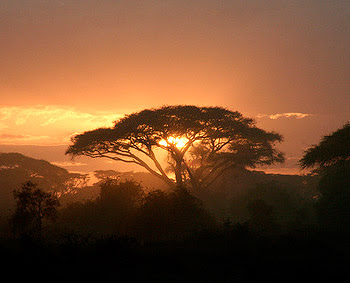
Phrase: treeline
{"type": "Point", "coordinates": [124, 208]}
{"type": "Point", "coordinates": [265, 205]}
{"type": "Point", "coordinates": [134, 234]}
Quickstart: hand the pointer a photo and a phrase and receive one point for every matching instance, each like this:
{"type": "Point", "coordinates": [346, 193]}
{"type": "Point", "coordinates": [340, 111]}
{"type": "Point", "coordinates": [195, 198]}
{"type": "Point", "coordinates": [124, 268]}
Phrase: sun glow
{"type": "Point", "coordinates": [178, 142]}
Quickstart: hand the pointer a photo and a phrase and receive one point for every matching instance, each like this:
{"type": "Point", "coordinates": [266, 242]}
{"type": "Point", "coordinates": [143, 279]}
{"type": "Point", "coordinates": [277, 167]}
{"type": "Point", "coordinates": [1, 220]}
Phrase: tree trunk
{"type": "Point", "coordinates": [178, 175]}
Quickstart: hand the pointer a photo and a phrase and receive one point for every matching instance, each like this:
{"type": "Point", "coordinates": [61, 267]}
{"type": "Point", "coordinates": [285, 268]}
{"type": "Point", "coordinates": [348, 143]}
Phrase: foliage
{"type": "Point", "coordinates": [171, 215]}
{"type": "Point", "coordinates": [123, 208]}
{"type": "Point", "coordinates": [118, 202]}
{"type": "Point", "coordinates": [147, 180]}
{"type": "Point", "coordinates": [261, 217]}
{"type": "Point", "coordinates": [214, 139]}
{"type": "Point", "coordinates": [15, 169]}
{"type": "Point", "coordinates": [333, 149]}
{"type": "Point", "coordinates": [274, 205]}
{"type": "Point", "coordinates": [111, 212]}
{"type": "Point", "coordinates": [331, 158]}
{"type": "Point", "coordinates": [33, 205]}
{"type": "Point", "coordinates": [120, 192]}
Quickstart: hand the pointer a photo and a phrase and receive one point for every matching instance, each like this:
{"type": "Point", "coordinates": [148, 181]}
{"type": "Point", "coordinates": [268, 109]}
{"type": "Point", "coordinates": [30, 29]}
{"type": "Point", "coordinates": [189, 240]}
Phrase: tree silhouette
{"type": "Point", "coordinates": [171, 215]}
{"type": "Point", "coordinates": [200, 142]}
{"type": "Point", "coordinates": [33, 205]}
{"type": "Point", "coordinates": [118, 202]}
{"type": "Point", "coordinates": [331, 160]}
{"type": "Point", "coordinates": [332, 150]}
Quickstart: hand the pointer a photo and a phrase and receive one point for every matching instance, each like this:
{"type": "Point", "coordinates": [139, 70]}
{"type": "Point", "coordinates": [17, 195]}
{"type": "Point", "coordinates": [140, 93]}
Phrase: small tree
{"type": "Point", "coordinates": [171, 215]}
{"type": "Point", "coordinates": [118, 202]}
{"type": "Point", "coordinates": [111, 212]}
{"type": "Point", "coordinates": [33, 205]}
{"type": "Point", "coordinates": [201, 143]}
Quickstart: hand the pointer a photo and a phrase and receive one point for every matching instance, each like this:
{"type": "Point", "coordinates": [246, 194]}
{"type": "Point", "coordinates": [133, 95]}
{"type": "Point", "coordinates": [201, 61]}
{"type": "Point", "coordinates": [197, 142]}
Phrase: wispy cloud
{"type": "Point", "coordinates": [12, 138]}
{"type": "Point", "coordinates": [52, 114]}
{"type": "Point", "coordinates": [3, 126]}
{"type": "Point", "coordinates": [68, 164]}
{"type": "Point", "coordinates": [295, 115]}
{"type": "Point", "coordinates": [48, 123]}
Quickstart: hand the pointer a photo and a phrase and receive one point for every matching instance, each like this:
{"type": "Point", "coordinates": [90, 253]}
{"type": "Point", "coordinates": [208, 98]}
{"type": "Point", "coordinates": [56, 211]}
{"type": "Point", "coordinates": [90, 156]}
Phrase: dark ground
{"type": "Point", "coordinates": [235, 256]}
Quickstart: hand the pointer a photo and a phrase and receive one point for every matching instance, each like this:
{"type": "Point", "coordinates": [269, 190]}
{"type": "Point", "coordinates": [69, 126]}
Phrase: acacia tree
{"type": "Point", "coordinates": [333, 149]}
{"type": "Point", "coordinates": [33, 205]}
{"type": "Point", "coordinates": [201, 143]}
{"type": "Point", "coordinates": [331, 159]}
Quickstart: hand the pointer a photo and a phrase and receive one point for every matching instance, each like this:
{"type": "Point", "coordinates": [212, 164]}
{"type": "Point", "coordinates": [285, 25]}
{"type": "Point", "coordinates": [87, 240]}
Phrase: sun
{"type": "Point", "coordinates": [178, 142]}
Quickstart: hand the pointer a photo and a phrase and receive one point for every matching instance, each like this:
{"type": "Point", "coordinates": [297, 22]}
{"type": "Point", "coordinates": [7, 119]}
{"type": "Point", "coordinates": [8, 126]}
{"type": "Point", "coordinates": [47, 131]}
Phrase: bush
{"type": "Point", "coordinates": [112, 212]}
{"type": "Point", "coordinates": [172, 215]}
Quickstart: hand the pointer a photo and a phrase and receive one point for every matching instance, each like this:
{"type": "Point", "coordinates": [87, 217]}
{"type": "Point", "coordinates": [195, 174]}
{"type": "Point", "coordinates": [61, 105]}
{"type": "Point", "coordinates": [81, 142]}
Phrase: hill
{"type": "Point", "coordinates": [16, 168]}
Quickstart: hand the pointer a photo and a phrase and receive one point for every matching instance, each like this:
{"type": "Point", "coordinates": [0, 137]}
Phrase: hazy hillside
{"type": "Point", "coordinates": [55, 154]}
{"type": "Point", "coordinates": [16, 168]}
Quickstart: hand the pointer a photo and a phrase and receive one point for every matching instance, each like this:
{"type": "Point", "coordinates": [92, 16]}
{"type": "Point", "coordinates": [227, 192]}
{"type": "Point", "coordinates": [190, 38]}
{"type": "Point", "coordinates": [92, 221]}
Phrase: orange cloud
{"type": "Point", "coordinates": [68, 164]}
{"type": "Point", "coordinates": [48, 124]}
{"type": "Point", "coordinates": [295, 115]}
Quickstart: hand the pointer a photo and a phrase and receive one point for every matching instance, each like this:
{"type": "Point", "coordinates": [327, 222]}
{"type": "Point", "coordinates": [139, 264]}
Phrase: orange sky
{"type": "Point", "coordinates": [70, 66]}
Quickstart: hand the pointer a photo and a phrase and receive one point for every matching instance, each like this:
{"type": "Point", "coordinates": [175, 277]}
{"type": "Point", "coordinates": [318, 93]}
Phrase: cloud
{"type": "Point", "coordinates": [48, 123]}
{"type": "Point", "coordinates": [52, 114]}
{"type": "Point", "coordinates": [20, 139]}
{"type": "Point", "coordinates": [3, 126]}
{"type": "Point", "coordinates": [295, 115]}
{"type": "Point", "coordinates": [68, 164]}
{"type": "Point", "coordinates": [11, 136]}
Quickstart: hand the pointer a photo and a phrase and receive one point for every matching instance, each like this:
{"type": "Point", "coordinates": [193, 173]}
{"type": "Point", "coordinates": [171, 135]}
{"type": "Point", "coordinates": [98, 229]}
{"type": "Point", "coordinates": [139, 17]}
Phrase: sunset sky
{"type": "Point", "coordinates": [70, 66]}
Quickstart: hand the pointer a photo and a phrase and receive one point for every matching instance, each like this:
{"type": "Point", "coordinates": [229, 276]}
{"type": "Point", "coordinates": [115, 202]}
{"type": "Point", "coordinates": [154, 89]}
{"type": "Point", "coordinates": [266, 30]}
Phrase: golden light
{"type": "Point", "coordinates": [178, 142]}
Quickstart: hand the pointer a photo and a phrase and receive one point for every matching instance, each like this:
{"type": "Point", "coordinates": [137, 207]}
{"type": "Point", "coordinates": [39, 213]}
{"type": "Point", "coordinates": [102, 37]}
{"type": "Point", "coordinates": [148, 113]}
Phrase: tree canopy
{"type": "Point", "coordinates": [33, 205]}
{"type": "Point", "coordinates": [332, 150]}
{"type": "Point", "coordinates": [331, 159]}
{"type": "Point", "coordinates": [200, 142]}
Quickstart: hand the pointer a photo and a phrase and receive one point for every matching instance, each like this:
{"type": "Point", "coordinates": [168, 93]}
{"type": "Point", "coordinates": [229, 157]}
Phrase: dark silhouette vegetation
{"type": "Point", "coordinates": [241, 226]}
{"type": "Point", "coordinates": [33, 207]}
{"type": "Point", "coordinates": [331, 160]}
{"type": "Point", "coordinates": [16, 169]}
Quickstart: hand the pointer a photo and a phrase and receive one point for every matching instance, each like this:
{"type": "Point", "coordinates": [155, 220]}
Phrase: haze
{"type": "Point", "coordinates": [71, 66]}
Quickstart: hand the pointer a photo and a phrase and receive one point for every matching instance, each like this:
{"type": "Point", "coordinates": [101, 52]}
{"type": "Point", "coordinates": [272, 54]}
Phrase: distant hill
{"type": "Point", "coordinates": [16, 168]}
{"type": "Point", "coordinates": [55, 154]}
